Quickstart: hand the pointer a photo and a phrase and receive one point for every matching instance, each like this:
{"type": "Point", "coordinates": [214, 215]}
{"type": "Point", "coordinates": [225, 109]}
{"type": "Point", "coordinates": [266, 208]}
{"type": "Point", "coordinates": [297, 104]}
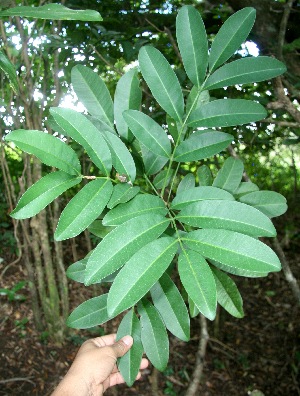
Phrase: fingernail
{"type": "Point", "coordinates": [128, 340]}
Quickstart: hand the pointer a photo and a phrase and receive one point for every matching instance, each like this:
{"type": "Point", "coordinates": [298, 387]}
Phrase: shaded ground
{"type": "Point", "coordinates": [260, 351]}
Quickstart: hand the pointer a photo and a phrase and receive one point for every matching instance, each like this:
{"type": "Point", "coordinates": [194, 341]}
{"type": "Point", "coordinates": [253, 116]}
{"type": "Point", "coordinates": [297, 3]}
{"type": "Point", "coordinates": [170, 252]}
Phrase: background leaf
{"type": "Point", "coordinates": [93, 93]}
{"type": "Point", "coordinates": [198, 281]}
{"type": "Point", "coordinates": [83, 209]}
{"type": "Point", "coordinates": [192, 42]}
{"type": "Point", "coordinates": [52, 11]}
{"type": "Point", "coordinates": [47, 148]}
{"type": "Point", "coordinates": [230, 175]}
{"type": "Point", "coordinates": [205, 177]}
{"type": "Point", "coordinates": [135, 280]}
{"type": "Point", "coordinates": [128, 95]}
{"type": "Point", "coordinates": [44, 191]}
{"type": "Point", "coordinates": [240, 254]}
{"type": "Point", "coordinates": [125, 239]}
{"type": "Point", "coordinates": [153, 163]}
{"type": "Point", "coordinates": [186, 183]}
{"type": "Point", "coordinates": [232, 34]}
{"type": "Point", "coordinates": [154, 335]}
{"type": "Point", "coordinates": [8, 68]}
{"type": "Point", "coordinates": [270, 203]}
{"type": "Point", "coordinates": [202, 144]}
{"type": "Point", "coordinates": [79, 128]}
{"type": "Point", "coordinates": [168, 301]}
{"type": "Point", "coordinates": [227, 112]}
{"type": "Point", "coordinates": [122, 192]}
{"type": "Point", "coordinates": [162, 81]}
{"type": "Point", "coordinates": [76, 271]}
{"type": "Point", "coordinates": [129, 364]}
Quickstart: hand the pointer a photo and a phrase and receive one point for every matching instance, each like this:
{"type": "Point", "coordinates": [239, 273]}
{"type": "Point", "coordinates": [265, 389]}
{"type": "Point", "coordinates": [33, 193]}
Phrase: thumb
{"type": "Point", "coordinates": [122, 346]}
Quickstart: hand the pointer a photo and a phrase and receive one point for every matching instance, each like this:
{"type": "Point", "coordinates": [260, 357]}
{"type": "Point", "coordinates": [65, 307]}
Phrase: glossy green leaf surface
{"type": "Point", "coordinates": [240, 254]}
{"type": "Point", "coordinates": [47, 148]}
{"type": "Point", "coordinates": [192, 43]}
{"type": "Point", "coordinates": [83, 209]}
{"type": "Point", "coordinates": [76, 271]}
{"type": "Point", "coordinates": [163, 178]}
{"type": "Point", "coordinates": [195, 99]}
{"type": "Point", "coordinates": [90, 313]}
{"type": "Point", "coordinates": [201, 193]}
{"type": "Point", "coordinates": [227, 293]}
{"type": "Point", "coordinates": [128, 95]}
{"type": "Point", "coordinates": [129, 364]}
{"type": "Point", "coordinates": [154, 335]}
{"type": "Point", "coordinates": [79, 128]}
{"type": "Point", "coordinates": [205, 177]}
{"type": "Point", "coordinates": [121, 157]}
{"type": "Point", "coordinates": [135, 280]}
{"type": "Point", "coordinates": [186, 183]}
{"type": "Point", "coordinates": [202, 145]}
{"type": "Point", "coordinates": [197, 279]}
{"type": "Point", "coordinates": [148, 132]}
{"type": "Point", "coordinates": [44, 191]}
{"type": "Point", "coordinates": [122, 193]}
{"type": "Point", "coordinates": [125, 239]}
{"type": "Point", "coordinates": [152, 163]}
{"type": "Point", "coordinates": [245, 188]}
{"type": "Point", "coordinates": [93, 93]}
{"type": "Point", "coordinates": [229, 215]}
{"type": "Point", "coordinates": [162, 81]}
{"type": "Point", "coordinates": [52, 11]}
{"type": "Point", "coordinates": [270, 203]}
{"type": "Point", "coordinates": [227, 112]}
{"type": "Point", "coordinates": [139, 205]}
{"type": "Point", "coordinates": [168, 301]}
{"type": "Point", "coordinates": [193, 309]}
{"type": "Point", "coordinates": [230, 175]}
{"type": "Point", "coordinates": [98, 229]}
{"type": "Point", "coordinates": [245, 71]}
{"type": "Point", "coordinates": [232, 34]}
{"type": "Point", "coordinates": [9, 70]}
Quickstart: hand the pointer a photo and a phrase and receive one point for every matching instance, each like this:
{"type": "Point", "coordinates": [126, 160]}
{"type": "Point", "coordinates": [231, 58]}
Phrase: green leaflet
{"type": "Point", "coordinates": [270, 203]}
{"type": "Point", "coordinates": [152, 163]}
{"type": "Point", "coordinates": [232, 34]}
{"type": "Point", "coordinates": [186, 183]}
{"type": "Point", "coordinates": [8, 68]}
{"type": "Point", "coordinates": [205, 177]}
{"type": "Point", "coordinates": [227, 293]}
{"type": "Point", "coordinates": [192, 42]}
{"type": "Point", "coordinates": [79, 128]}
{"type": "Point", "coordinates": [154, 335]}
{"type": "Point", "coordinates": [245, 188]}
{"type": "Point", "coordinates": [245, 71]}
{"type": "Point", "coordinates": [121, 157]}
{"type": "Point", "coordinates": [148, 132]}
{"type": "Point", "coordinates": [230, 175]}
{"type": "Point", "coordinates": [83, 209]}
{"type": "Point", "coordinates": [139, 205]}
{"type": "Point", "coordinates": [229, 215]}
{"type": "Point", "coordinates": [52, 11]}
{"type": "Point", "coordinates": [168, 301]}
{"type": "Point", "coordinates": [196, 194]}
{"type": "Point", "coordinates": [47, 148]}
{"type": "Point", "coordinates": [240, 254]}
{"type": "Point", "coordinates": [202, 144]}
{"type": "Point", "coordinates": [98, 229]}
{"type": "Point", "coordinates": [197, 279]}
{"type": "Point", "coordinates": [122, 193]}
{"type": "Point", "coordinates": [226, 112]}
{"type": "Point", "coordinates": [44, 191]}
{"type": "Point", "coordinates": [76, 271]}
{"type": "Point", "coordinates": [129, 364]}
{"type": "Point", "coordinates": [93, 93]}
{"type": "Point", "coordinates": [193, 309]}
{"type": "Point", "coordinates": [121, 243]}
{"type": "Point", "coordinates": [90, 313]}
{"type": "Point", "coordinates": [160, 179]}
{"type": "Point", "coordinates": [128, 95]}
{"type": "Point", "coordinates": [196, 100]}
{"type": "Point", "coordinates": [162, 81]}
{"type": "Point", "coordinates": [135, 280]}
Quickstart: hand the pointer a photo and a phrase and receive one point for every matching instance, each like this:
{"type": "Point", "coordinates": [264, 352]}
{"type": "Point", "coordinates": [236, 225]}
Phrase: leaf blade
{"type": "Point", "coordinates": [270, 203]}
{"type": "Point", "coordinates": [230, 175]}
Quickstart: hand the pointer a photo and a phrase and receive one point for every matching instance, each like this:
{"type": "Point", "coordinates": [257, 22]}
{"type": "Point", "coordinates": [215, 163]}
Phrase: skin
{"type": "Point", "coordinates": [94, 369]}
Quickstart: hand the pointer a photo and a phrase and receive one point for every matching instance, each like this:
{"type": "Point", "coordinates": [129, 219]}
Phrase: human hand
{"type": "Point", "coordinates": [94, 368]}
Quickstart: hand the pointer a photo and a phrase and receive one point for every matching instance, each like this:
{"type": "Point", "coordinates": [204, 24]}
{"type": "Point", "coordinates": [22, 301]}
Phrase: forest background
{"type": "Point", "coordinates": [260, 351]}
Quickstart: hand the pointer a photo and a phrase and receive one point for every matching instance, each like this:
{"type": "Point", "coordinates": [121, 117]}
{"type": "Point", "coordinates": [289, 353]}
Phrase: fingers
{"type": "Point", "coordinates": [122, 346]}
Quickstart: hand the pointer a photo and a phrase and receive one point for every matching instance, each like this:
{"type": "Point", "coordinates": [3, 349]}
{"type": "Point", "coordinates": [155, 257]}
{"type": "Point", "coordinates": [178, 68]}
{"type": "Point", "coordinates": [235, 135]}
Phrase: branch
{"type": "Point", "coordinates": [200, 359]}
{"type": "Point", "coordinates": [283, 26]}
{"type": "Point", "coordinates": [281, 123]}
